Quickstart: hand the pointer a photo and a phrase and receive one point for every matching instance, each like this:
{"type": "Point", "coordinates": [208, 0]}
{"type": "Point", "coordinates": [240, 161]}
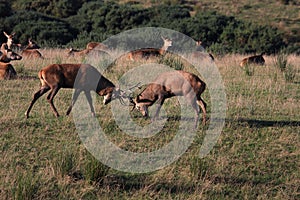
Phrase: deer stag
{"type": "Point", "coordinates": [256, 59]}
{"type": "Point", "coordinates": [148, 52]}
{"type": "Point", "coordinates": [7, 71]}
{"type": "Point", "coordinates": [10, 40]}
{"type": "Point", "coordinates": [169, 84]}
{"type": "Point", "coordinates": [56, 76]}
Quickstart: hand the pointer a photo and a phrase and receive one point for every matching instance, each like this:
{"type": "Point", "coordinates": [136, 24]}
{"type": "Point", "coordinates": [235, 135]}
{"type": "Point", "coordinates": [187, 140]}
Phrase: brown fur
{"type": "Point", "coordinates": [78, 53]}
{"type": "Point", "coordinates": [56, 76]}
{"type": "Point", "coordinates": [32, 53]}
{"type": "Point", "coordinates": [169, 84]}
{"type": "Point", "coordinates": [7, 71]}
{"type": "Point", "coordinates": [32, 44]}
{"type": "Point", "coordinates": [148, 52]}
{"type": "Point", "coordinates": [97, 46]}
{"type": "Point", "coordinates": [8, 55]}
{"type": "Point", "coordinates": [256, 59]}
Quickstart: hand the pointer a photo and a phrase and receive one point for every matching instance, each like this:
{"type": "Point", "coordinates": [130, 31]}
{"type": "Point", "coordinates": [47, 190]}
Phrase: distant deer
{"type": "Point", "coordinates": [169, 84]}
{"type": "Point", "coordinates": [8, 55]}
{"type": "Point", "coordinates": [200, 52]}
{"type": "Point", "coordinates": [147, 52]}
{"type": "Point", "coordinates": [7, 71]}
{"type": "Point", "coordinates": [56, 76]}
{"type": "Point", "coordinates": [32, 44]}
{"type": "Point", "coordinates": [96, 46]}
{"type": "Point", "coordinates": [30, 51]}
{"type": "Point", "coordinates": [10, 37]}
{"type": "Point", "coordinates": [77, 53]}
{"type": "Point", "coordinates": [256, 59]}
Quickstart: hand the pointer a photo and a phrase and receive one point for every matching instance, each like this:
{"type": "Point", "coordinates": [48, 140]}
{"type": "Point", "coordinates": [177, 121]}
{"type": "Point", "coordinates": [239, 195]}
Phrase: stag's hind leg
{"type": "Point", "coordinates": [202, 105]}
{"type": "Point", "coordinates": [37, 95]}
{"type": "Point", "coordinates": [50, 98]}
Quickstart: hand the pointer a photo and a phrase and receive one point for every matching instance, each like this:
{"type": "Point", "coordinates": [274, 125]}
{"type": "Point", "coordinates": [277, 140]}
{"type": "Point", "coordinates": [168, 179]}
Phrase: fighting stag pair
{"type": "Point", "coordinates": [85, 78]}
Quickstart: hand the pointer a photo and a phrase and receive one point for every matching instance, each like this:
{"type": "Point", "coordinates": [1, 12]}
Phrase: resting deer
{"type": "Point", "coordinates": [32, 45]}
{"type": "Point", "coordinates": [78, 53]}
{"type": "Point", "coordinates": [256, 59]}
{"type": "Point", "coordinates": [31, 51]}
{"type": "Point", "coordinates": [56, 76]}
{"type": "Point", "coordinates": [8, 55]}
{"type": "Point", "coordinates": [96, 46]}
{"type": "Point", "coordinates": [148, 52]}
{"type": "Point", "coordinates": [7, 71]}
{"type": "Point", "coordinates": [169, 84]}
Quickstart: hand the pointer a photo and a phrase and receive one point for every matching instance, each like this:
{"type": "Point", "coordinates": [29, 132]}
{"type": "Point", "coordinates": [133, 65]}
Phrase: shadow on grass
{"type": "Point", "coordinates": [140, 182]}
{"type": "Point", "coordinates": [265, 123]}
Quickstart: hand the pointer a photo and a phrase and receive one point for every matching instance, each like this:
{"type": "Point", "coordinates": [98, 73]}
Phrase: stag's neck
{"type": "Point", "coordinates": [163, 49]}
{"type": "Point", "coordinates": [104, 86]}
{"type": "Point", "coordinates": [105, 91]}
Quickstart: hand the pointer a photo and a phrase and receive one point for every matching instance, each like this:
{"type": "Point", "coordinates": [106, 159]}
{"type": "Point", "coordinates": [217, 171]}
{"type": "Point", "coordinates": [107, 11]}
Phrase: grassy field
{"type": "Point", "coordinates": [256, 156]}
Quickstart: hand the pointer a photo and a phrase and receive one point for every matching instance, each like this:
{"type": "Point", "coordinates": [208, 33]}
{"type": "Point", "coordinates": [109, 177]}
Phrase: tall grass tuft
{"type": "Point", "coordinates": [172, 62]}
{"type": "Point", "coordinates": [65, 164]}
{"type": "Point", "coordinates": [94, 170]}
{"type": "Point", "coordinates": [289, 73]}
{"type": "Point", "coordinates": [249, 70]}
{"type": "Point", "coordinates": [281, 62]}
{"type": "Point", "coordinates": [26, 186]}
{"type": "Point", "coordinates": [199, 167]}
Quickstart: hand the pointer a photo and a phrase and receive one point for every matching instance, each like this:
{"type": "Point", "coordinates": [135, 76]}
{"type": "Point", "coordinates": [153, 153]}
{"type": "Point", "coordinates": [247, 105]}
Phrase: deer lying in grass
{"type": "Point", "coordinates": [96, 46]}
{"type": "Point", "coordinates": [148, 52]}
{"type": "Point", "coordinates": [78, 53]}
{"type": "Point", "coordinates": [169, 84]}
{"type": "Point", "coordinates": [7, 71]}
{"type": "Point", "coordinates": [256, 59]}
{"type": "Point", "coordinates": [30, 51]}
{"type": "Point", "coordinates": [8, 55]}
{"type": "Point", "coordinates": [32, 45]}
{"type": "Point", "coordinates": [56, 76]}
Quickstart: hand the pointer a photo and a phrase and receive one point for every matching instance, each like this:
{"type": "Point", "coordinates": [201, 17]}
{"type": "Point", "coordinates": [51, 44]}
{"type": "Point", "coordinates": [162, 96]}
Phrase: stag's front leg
{"type": "Point", "coordinates": [90, 101]}
{"type": "Point", "coordinates": [75, 97]}
{"type": "Point", "coordinates": [160, 102]}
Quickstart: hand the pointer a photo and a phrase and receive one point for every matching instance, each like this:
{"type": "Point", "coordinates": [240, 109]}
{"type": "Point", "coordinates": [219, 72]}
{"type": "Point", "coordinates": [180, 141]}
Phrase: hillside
{"type": "Point", "coordinates": [224, 26]}
{"type": "Point", "coordinates": [283, 14]}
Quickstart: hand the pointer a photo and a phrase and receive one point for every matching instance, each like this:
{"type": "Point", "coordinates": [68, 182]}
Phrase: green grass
{"type": "Point", "coordinates": [256, 156]}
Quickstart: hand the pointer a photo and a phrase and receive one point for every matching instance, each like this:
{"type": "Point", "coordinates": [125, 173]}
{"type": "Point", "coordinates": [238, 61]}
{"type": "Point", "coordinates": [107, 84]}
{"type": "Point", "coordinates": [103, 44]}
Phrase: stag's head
{"type": "Point", "coordinates": [167, 42]}
{"type": "Point", "coordinates": [8, 54]}
{"type": "Point", "coordinates": [12, 55]}
{"type": "Point", "coordinates": [140, 105]}
{"type": "Point", "coordinates": [116, 93]}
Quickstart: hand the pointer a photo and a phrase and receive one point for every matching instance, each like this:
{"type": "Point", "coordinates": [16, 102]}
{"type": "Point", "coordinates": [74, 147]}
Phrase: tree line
{"type": "Point", "coordinates": [74, 23]}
